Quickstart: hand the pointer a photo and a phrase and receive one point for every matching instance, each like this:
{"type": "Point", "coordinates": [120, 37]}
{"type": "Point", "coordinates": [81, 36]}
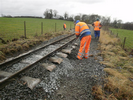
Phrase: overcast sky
{"type": "Point", "coordinates": [116, 9]}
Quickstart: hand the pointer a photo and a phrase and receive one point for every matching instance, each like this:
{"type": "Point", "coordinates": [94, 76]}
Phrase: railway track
{"type": "Point", "coordinates": [14, 66]}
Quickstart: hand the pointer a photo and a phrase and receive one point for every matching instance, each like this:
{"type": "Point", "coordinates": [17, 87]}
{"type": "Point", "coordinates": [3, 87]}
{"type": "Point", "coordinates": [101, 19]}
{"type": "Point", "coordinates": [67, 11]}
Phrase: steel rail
{"type": "Point", "coordinates": [4, 81]}
{"type": "Point", "coordinates": [16, 59]}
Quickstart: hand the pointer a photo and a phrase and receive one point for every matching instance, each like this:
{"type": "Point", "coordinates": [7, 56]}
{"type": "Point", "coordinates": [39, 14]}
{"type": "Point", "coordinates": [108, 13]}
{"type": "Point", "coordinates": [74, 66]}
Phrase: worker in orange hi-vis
{"type": "Point", "coordinates": [64, 26]}
{"type": "Point", "coordinates": [97, 26]}
{"type": "Point", "coordinates": [83, 32]}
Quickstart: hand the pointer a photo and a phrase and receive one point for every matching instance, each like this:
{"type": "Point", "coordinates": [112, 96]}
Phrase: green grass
{"type": "Point", "coordinates": [11, 28]}
{"type": "Point", "coordinates": [122, 33]}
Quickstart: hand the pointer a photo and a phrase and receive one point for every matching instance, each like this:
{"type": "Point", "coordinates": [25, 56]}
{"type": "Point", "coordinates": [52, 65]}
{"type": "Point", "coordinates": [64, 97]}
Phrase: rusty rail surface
{"type": "Point", "coordinates": [5, 80]}
{"type": "Point", "coordinates": [16, 59]}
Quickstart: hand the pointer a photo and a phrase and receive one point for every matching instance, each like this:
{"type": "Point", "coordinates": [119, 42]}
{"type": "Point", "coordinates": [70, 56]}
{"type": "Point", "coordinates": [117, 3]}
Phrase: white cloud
{"type": "Point", "coordinates": [119, 9]}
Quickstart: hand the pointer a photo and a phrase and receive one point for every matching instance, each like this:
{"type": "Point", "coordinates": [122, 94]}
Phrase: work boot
{"type": "Point", "coordinates": [86, 57]}
{"type": "Point", "coordinates": [78, 58]}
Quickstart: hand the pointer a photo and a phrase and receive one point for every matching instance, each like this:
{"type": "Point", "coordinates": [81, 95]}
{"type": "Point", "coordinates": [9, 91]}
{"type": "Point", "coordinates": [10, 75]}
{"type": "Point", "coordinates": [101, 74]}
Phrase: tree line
{"type": "Point", "coordinates": [89, 19]}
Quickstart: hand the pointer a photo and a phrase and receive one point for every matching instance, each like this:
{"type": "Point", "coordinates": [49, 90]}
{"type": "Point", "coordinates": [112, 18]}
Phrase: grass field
{"type": "Point", "coordinates": [122, 33]}
{"type": "Point", "coordinates": [11, 28]}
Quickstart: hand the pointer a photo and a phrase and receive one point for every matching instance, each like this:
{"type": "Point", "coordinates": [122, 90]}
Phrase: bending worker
{"type": "Point", "coordinates": [97, 26]}
{"type": "Point", "coordinates": [64, 26]}
{"type": "Point", "coordinates": [82, 31]}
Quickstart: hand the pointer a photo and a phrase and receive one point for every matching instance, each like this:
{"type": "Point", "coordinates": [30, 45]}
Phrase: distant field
{"type": "Point", "coordinates": [14, 27]}
{"type": "Point", "coordinates": [122, 33]}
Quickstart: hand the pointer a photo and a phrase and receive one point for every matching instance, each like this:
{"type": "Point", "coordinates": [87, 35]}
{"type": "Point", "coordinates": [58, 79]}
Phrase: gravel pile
{"type": "Point", "coordinates": [71, 80]}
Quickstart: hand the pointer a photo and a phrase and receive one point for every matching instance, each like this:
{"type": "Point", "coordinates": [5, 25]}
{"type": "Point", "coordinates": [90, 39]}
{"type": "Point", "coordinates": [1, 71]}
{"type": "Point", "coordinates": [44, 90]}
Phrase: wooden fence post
{"type": "Point", "coordinates": [117, 35]}
{"type": "Point", "coordinates": [25, 29]}
{"type": "Point", "coordinates": [41, 27]}
{"type": "Point", "coordinates": [55, 27]}
{"type": "Point", "coordinates": [124, 42]}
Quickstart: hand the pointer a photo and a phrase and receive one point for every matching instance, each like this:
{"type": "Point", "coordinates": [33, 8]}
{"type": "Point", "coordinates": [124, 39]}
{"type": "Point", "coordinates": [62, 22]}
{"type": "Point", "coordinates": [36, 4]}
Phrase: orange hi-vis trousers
{"type": "Point", "coordinates": [84, 47]}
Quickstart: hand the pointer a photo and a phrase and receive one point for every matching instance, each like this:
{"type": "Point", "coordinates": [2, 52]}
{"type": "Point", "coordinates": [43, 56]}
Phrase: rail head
{"type": "Point", "coordinates": [14, 59]}
{"type": "Point", "coordinates": [29, 66]}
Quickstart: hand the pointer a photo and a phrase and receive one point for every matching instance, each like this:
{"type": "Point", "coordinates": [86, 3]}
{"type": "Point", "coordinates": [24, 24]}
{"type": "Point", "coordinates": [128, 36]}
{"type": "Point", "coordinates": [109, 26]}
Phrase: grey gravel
{"type": "Point", "coordinates": [71, 80]}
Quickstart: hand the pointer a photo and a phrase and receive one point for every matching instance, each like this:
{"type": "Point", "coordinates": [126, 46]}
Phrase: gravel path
{"type": "Point", "coordinates": [73, 79]}
{"type": "Point", "coordinates": [85, 74]}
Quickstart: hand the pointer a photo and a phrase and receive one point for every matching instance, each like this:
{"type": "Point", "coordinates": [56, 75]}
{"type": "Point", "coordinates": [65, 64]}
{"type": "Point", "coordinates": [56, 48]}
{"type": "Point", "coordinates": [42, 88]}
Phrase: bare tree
{"type": "Point", "coordinates": [128, 25]}
{"type": "Point", "coordinates": [114, 23]}
{"type": "Point", "coordinates": [77, 17]}
{"type": "Point", "coordinates": [51, 13]}
{"type": "Point", "coordinates": [119, 22]}
{"type": "Point", "coordinates": [70, 18]}
{"type": "Point", "coordinates": [92, 18]}
{"type": "Point", "coordinates": [84, 17]}
{"type": "Point", "coordinates": [46, 13]}
{"type": "Point", "coordinates": [55, 13]}
{"type": "Point", "coordinates": [105, 21]}
{"type": "Point", "coordinates": [66, 16]}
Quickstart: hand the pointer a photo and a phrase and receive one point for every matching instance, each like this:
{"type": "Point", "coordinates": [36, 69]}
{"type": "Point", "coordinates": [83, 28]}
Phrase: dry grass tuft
{"type": "Point", "coordinates": [115, 73]}
{"type": "Point", "coordinates": [123, 58]}
{"type": "Point", "coordinates": [107, 64]}
{"type": "Point", "coordinates": [25, 44]}
{"type": "Point", "coordinates": [122, 53]}
{"type": "Point", "coordinates": [119, 82]}
{"type": "Point", "coordinates": [109, 53]}
{"type": "Point", "coordinates": [18, 47]}
{"type": "Point", "coordinates": [119, 87]}
{"type": "Point", "coordinates": [2, 56]}
{"type": "Point", "coordinates": [106, 39]}
{"type": "Point", "coordinates": [98, 93]}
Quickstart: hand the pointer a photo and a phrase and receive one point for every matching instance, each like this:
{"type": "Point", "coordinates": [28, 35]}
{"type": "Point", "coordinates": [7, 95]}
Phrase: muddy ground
{"type": "Point", "coordinates": [73, 79]}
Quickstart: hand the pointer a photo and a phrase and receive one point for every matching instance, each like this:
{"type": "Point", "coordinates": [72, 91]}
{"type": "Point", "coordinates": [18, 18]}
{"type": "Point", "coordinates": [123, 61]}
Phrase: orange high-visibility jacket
{"type": "Point", "coordinates": [82, 29]}
{"type": "Point", "coordinates": [97, 26]}
{"type": "Point", "coordinates": [64, 25]}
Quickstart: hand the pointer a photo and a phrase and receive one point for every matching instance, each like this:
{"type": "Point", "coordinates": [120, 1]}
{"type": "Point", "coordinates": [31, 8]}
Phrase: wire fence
{"type": "Point", "coordinates": [41, 27]}
{"type": "Point", "coordinates": [27, 29]}
{"type": "Point", "coordinates": [126, 39]}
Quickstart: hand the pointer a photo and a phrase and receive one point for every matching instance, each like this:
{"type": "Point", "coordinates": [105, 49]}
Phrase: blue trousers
{"type": "Point", "coordinates": [97, 33]}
